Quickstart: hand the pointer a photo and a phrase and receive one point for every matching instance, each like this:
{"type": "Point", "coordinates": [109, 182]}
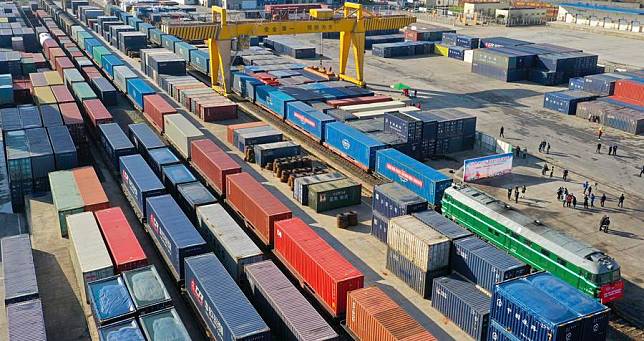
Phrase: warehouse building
{"type": "Point", "coordinates": [600, 15]}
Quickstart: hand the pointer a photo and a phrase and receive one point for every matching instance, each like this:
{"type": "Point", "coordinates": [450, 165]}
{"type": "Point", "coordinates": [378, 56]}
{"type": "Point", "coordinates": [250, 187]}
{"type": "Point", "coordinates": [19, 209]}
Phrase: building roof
{"type": "Point", "coordinates": [631, 11]}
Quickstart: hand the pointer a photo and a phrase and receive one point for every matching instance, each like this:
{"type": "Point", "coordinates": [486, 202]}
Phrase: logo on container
{"type": "Point", "coordinates": [163, 239]}
{"type": "Point", "coordinates": [305, 120]}
{"type": "Point", "coordinates": [346, 144]}
{"type": "Point", "coordinates": [129, 183]}
{"type": "Point", "coordinates": [210, 313]}
{"type": "Point", "coordinates": [404, 176]}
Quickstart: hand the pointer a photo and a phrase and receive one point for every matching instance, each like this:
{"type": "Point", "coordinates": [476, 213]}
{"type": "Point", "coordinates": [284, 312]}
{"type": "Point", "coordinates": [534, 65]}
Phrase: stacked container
{"type": "Point", "coordinates": [139, 182]}
{"type": "Point", "coordinates": [180, 132]}
{"type": "Point", "coordinates": [301, 185]}
{"type": "Point", "coordinates": [213, 164]}
{"type": "Point", "coordinates": [19, 273]}
{"type": "Point", "coordinates": [392, 200]}
{"type": "Point", "coordinates": [66, 197]}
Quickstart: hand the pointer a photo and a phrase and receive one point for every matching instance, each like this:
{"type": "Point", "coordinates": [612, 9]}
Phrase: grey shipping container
{"type": "Point", "coordinates": [266, 153]}
{"type": "Point", "coordinates": [115, 143]}
{"type": "Point", "coordinates": [192, 195]}
{"type": "Point", "coordinates": [147, 289]}
{"type": "Point", "coordinates": [160, 157]}
{"type": "Point", "coordinates": [64, 149]}
{"type": "Point", "coordinates": [18, 270]}
{"type": "Point", "coordinates": [483, 263]}
{"type": "Point", "coordinates": [105, 91]}
{"type": "Point", "coordinates": [417, 279]}
{"type": "Point", "coordinates": [232, 246]}
{"type": "Point", "coordinates": [443, 225]}
{"type": "Point", "coordinates": [290, 316]}
{"type": "Point", "coordinates": [464, 304]}
{"type": "Point", "coordinates": [42, 158]}
{"type": "Point", "coordinates": [334, 194]}
{"type": "Point", "coordinates": [163, 325]}
{"type": "Point", "coordinates": [393, 200]}
{"type": "Point", "coordinates": [220, 303]}
{"type": "Point", "coordinates": [301, 185]}
{"type": "Point", "coordinates": [25, 321]}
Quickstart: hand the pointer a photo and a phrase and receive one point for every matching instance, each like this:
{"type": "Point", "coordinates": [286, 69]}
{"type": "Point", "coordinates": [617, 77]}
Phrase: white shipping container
{"type": "Point", "coordinates": [419, 243]}
{"type": "Point", "coordinates": [468, 56]}
{"type": "Point", "coordinates": [363, 115]}
{"type": "Point", "coordinates": [89, 255]}
{"type": "Point", "coordinates": [181, 133]}
{"type": "Point", "coordinates": [232, 245]}
{"type": "Point", "coordinates": [372, 106]}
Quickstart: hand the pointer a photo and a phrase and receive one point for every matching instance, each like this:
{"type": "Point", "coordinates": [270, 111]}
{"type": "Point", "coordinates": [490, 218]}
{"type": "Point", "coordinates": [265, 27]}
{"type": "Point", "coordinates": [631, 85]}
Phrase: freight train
{"type": "Point", "coordinates": [584, 267]}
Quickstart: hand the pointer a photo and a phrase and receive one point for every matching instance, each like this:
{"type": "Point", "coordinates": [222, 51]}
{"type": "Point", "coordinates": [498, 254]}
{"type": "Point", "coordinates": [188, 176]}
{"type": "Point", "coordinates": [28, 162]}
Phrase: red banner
{"type": "Point", "coordinates": [611, 292]}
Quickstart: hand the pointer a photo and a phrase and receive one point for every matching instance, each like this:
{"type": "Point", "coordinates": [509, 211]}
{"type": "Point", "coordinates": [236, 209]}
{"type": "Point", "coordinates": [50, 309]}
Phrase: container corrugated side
{"type": "Point", "coordinates": [121, 242]}
{"type": "Point", "coordinates": [428, 249]}
{"type": "Point", "coordinates": [283, 307]}
{"type": "Point", "coordinates": [220, 303]}
{"type": "Point", "coordinates": [181, 133]}
{"type": "Point", "coordinates": [334, 194]}
{"type": "Point", "coordinates": [374, 316]}
{"type": "Point", "coordinates": [87, 250]}
{"type": "Point", "coordinates": [463, 304]}
{"type": "Point", "coordinates": [25, 321]}
{"type": "Point", "coordinates": [443, 225]}
{"type": "Point", "coordinates": [173, 233]}
{"type": "Point", "coordinates": [231, 244]}
{"type": "Point", "coordinates": [353, 144]}
{"type": "Point", "coordinates": [140, 181]}
{"type": "Point", "coordinates": [18, 270]}
{"type": "Point", "coordinates": [392, 200]}
{"type": "Point", "coordinates": [90, 189]}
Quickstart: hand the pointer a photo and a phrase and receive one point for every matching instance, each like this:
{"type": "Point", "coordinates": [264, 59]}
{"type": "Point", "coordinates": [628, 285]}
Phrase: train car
{"type": "Point", "coordinates": [543, 248]}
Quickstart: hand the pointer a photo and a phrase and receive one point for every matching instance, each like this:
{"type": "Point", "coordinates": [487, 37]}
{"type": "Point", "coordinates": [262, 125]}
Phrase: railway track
{"type": "Point", "coordinates": [622, 329]}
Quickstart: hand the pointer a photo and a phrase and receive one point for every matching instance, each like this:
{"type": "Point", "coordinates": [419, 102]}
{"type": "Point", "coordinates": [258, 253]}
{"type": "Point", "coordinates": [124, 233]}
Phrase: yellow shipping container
{"type": "Point", "coordinates": [441, 50]}
{"type": "Point", "coordinates": [53, 78]}
{"type": "Point", "coordinates": [44, 95]}
{"type": "Point", "coordinates": [321, 13]}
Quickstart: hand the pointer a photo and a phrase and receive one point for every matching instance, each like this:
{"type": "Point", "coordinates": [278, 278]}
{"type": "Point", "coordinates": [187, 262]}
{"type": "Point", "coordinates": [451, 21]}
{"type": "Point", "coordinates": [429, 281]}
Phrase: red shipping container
{"type": "Point", "coordinates": [63, 63]}
{"type": "Point", "coordinates": [630, 89]}
{"type": "Point", "coordinates": [358, 100]}
{"type": "Point", "coordinates": [90, 189]}
{"type": "Point", "coordinates": [256, 204]}
{"type": "Point", "coordinates": [316, 264]}
{"type": "Point", "coordinates": [373, 316]}
{"type": "Point", "coordinates": [74, 121]}
{"type": "Point", "coordinates": [154, 108]}
{"type": "Point", "coordinates": [49, 44]}
{"type": "Point", "coordinates": [54, 53]}
{"type": "Point", "coordinates": [97, 112]}
{"type": "Point", "coordinates": [627, 100]}
{"type": "Point", "coordinates": [411, 35]}
{"type": "Point", "coordinates": [211, 110]}
{"type": "Point", "coordinates": [124, 248]}
{"type": "Point", "coordinates": [231, 128]}
{"type": "Point", "coordinates": [62, 94]}
{"type": "Point", "coordinates": [76, 54]}
{"type": "Point", "coordinates": [212, 163]}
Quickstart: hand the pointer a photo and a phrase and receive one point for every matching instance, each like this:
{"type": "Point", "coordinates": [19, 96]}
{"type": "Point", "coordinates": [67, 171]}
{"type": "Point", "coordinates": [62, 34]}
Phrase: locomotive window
{"type": "Point", "coordinates": [514, 235]}
{"type": "Point", "coordinates": [561, 261]}
{"type": "Point", "coordinates": [545, 252]}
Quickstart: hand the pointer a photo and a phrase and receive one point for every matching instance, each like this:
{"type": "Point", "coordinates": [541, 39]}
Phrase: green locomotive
{"type": "Point", "coordinates": [543, 248]}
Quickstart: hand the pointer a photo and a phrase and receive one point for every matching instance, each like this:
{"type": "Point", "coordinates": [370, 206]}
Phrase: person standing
{"type": "Point", "coordinates": [642, 171]}
{"type": "Point", "coordinates": [602, 200]}
{"type": "Point", "coordinates": [548, 148]}
{"type": "Point", "coordinates": [510, 193]}
{"type": "Point", "coordinates": [599, 148]}
{"type": "Point", "coordinates": [592, 200]}
{"type": "Point", "coordinates": [574, 202]}
{"type": "Point", "coordinates": [501, 132]}
{"type": "Point", "coordinates": [620, 203]}
{"type": "Point", "coordinates": [590, 189]}
{"type": "Point", "coordinates": [559, 193]}
{"type": "Point", "coordinates": [585, 201]}
{"type": "Point", "coordinates": [614, 150]}
{"type": "Point", "coordinates": [565, 175]}
{"type": "Point", "coordinates": [610, 150]}
{"type": "Point", "coordinates": [552, 170]}
{"type": "Point", "coordinates": [516, 195]}
{"type": "Point", "coordinates": [523, 189]}
{"type": "Point", "coordinates": [600, 132]}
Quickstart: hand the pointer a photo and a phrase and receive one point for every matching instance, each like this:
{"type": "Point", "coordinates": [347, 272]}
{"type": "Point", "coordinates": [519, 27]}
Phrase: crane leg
{"type": "Point", "coordinates": [219, 51]}
{"type": "Point", "coordinates": [345, 45]}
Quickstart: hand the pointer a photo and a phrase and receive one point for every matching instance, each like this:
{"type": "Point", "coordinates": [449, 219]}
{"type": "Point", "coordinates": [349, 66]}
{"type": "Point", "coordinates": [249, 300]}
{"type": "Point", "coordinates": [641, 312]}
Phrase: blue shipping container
{"type": "Point", "coordinates": [19, 271]}
{"type": "Point", "coordinates": [308, 119]}
{"type": "Point", "coordinates": [379, 226]}
{"type": "Point", "coordinates": [125, 330]}
{"type": "Point", "coordinates": [115, 143]}
{"type": "Point", "coordinates": [109, 61]}
{"type": "Point", "coordinates": [393, 200]}
{"type": "Point", "coordinates": [498, 333]}
{"type": "Point", "coordinates": [566, 101]}
{"type": "Point", "coordinates": [412, 174]}
{"type": "Point", "coordinates": [417, 279]}
{"type": "Point", "coordinates": [277, 101]}
{"type": "Point", "coordinates": [221, 304]}
{"type": "Point", "coordinates": [483, 263]}
{"type": "Point", "coordinates": [352, 143]}
{"type": "Point", "coordinates": [174, 234]}
{"type": "Point", "coordinates": [463, 304]}
{"type": "Point", "coordinates": [160, 157]}
{"type": "Point", "coordinates": [144, 138]}
{"type": "Point", "coordinates": [140, 181]}
{"type": "Point", "coordinates": [110, 301]}
{"type": "Point", "coordinates": [137, 88]}
{"type": "Point", "coordinates": [64, 149]}
{"type": "Point", "coordinates": [174, 175]}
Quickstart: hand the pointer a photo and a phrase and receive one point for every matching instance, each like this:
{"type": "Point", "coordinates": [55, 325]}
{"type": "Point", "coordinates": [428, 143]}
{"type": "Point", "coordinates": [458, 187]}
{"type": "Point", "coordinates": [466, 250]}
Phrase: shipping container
{"type": "Point", "coordinates": [115, 143]}
{"type": "Point", "coordinates": [301, 185]}
{"type": "Point", "coordinates": [42, 158]}
{"type": "Point", "coordinates": [90, 189]}
{"type": "Point", "coordinates": [388, 105]}
{"type": "Point", "coordinates": [121, 75]}
{"type": "Point", "coordinates": [104, 90]}
{"type": "Point", "coordinates": [230, 243]}
{"type": "Point", "coordinates": [566, 101]}
{"type": "Point", "coordinates": [139, 181]}
{"type": "Point", "coordinates": [484, 264]}
{"type": "Point", "coordinates": [96, 112]}
{"type": "Point", "coordinates": [412, 174]}
{"type": "Point", "coordinates": [464, 304]}
{"type": "Point", "coordinates": [159, 157]}
{"type": "Point", "coordinates": [175, 236]}
{"type": "Point", "coordinates": [147, 289]}
{"type": "Point", "coordinates": [374, 316]}
{"type": "Point", "coordinates": [18, 270]}
{"type": "Point", "coordinates": [230, 130]}
{"type": "Point", "coordinates": [498, 333]}
{"type": "Point", "coordinates": [63, 146]}
{"type": "Point", "coordinates": [222, 306]}
{"type": "Point", "coordinates": [286, 310]}
{"type": "Point", "coordinates": [138, 88]}
{"type": "Point", "coordinates": [334, 194]}
{"type": "Point", "coordinates": [393, 200]}
{"type": "Point", "coordinates": [626, 119]}
{"type": "Point", "coordinates": [73, 121]}
{"type": "Point", "coordinates": [180, 132]}
{"type": "Point", "coordinates": [83, 92]}
{"type": "Point", "coordinates": [427, 248]}
{"type": "Point", "coordinates": [66, 197]}
{"type": "Point", "coordinates": [62, 94]}
{"type": "Point", "coordinates": [87, 250]}
{"type": "Point", "coordinates": [267, 152]}
{"type": "Point", "coordinates": [308, 119]}
{"type": "Point", "coordinates": [124, 330]}
{"type": "Point", "coordinates": [192, 195]}
{"type": "Point", "coordinates": [409, 128]}
{"type": "Point", "coordinates": [121, 242]}
{"type": "Point", "coordinates": [155, 108]}
{"type": "Point", "coordinates": [173, 175]}
{"type": "Point", "coordinates": [144, 139]}
{"type": "Point", "coordinates": [444, 226]}
{"type": "Point", "coordinates": [353, 144]}
{"type": "Point", "coordinates": [213, 164]}
{"type": "Point", "coordinates": [259, 208]}
{"type": "Point", "coordinates": [110, 301]}
{"type": "Point", "coordinates": [25, 321]}
{"type": "Point", "coordinates": [247, 138]}
{"type": "Point", "coordinates": [316, 264]}
{"type": "Point", "coordinates": [163, 325]}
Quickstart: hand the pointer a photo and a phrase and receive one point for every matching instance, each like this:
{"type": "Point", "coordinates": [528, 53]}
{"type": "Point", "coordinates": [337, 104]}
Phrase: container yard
{"type": "Point", "coordinates": [152, 188]}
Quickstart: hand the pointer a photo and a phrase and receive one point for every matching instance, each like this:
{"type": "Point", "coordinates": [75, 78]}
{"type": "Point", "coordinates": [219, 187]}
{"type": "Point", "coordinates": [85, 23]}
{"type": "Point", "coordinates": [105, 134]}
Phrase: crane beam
{"type": "Point", "coordinates": [353, 25]}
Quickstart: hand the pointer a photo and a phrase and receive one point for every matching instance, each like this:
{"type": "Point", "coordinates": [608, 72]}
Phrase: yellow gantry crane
{"type": "Point", "coordinates": [352, 25]}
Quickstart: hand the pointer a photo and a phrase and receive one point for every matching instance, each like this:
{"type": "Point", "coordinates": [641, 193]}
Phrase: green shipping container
{"type": "Point", "coordinates": [334, 194]}
{"type": "Point", "coordinates": [98, 53]}
{"type": "Point", "coordinates": [81, 39]}
{"type": "Point", "coordinates": [28, 66]}
{"type": "Point", "coordinates": [82, 91]}
{"type": "Point", "coordinates": [66, 197]}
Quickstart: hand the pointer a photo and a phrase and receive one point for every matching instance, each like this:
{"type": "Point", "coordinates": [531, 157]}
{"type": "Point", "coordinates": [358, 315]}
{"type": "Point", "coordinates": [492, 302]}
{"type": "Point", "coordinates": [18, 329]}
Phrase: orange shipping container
{"type": "Point", "coordinates": [373, 316]}
{"type": "Point", "coordinates": [91, 191]}
{"type": "Point", "coordinates": [231, 128]}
